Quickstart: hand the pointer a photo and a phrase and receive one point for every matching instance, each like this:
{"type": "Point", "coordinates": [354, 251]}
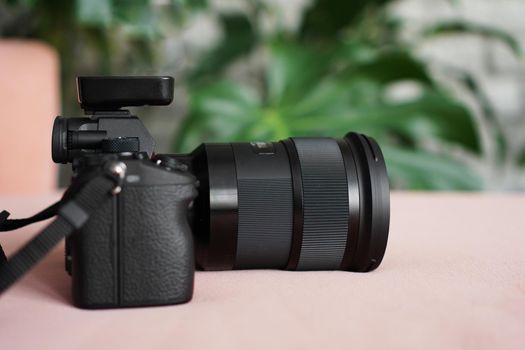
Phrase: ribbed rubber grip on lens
{"type": "Point", "coordinates": [265, 223]}
{"type": "Point", "coordinates": [325, 203]}
{"type": "Point", "coordinates": [265, 207]}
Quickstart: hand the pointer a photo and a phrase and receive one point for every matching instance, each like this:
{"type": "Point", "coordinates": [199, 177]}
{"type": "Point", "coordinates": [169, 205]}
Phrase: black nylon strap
{"type": "Point", "coordinates": [70, 216]}
{"type": "Point", "coordinates": [13, 224]}
{"type": "Point", "coordinates": [3, 217]}
{"type": "Point", "coordinates": [3, 258]}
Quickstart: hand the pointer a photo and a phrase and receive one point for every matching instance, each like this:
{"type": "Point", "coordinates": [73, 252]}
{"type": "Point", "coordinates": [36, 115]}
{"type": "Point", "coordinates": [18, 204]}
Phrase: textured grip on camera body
{"type": "Point", "coordinates": [138, 249]}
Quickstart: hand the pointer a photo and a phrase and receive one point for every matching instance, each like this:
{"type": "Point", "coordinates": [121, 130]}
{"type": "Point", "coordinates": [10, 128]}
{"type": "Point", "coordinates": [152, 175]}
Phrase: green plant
{"type": "Point", "coordinates": [332, 75]}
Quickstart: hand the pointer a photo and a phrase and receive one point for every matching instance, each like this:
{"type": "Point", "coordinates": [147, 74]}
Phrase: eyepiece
{"type": "Point", "coordinates": [59, 150]}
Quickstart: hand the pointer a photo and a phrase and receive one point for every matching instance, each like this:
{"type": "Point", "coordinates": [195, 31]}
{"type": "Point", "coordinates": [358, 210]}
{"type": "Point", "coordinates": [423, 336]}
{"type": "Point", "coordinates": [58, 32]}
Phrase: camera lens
{"type": "Point", "coordinates": [297, 204]}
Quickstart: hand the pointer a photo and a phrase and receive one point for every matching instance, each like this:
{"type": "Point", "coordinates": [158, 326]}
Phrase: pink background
{"type": "Point", "coordinates": [453, 278]}
{"type": "Point", "coordinates": [29, 101]}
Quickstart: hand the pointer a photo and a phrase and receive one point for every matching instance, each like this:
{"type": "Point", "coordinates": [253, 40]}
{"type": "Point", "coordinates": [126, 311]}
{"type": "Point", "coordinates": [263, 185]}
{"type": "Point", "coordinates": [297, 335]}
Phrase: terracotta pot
{"type": "Point", "coordinates": [29, 101]}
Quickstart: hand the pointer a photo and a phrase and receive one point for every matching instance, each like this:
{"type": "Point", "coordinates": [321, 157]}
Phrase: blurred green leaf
{"type": "Point", "coordinates": [421, 170]}
{"type": "Point", "coordinates": [94, 12]}
{"type": "Point", "coordinates": [454, 3]}
{"type": "Point", "coordinates": [219, 112]}
{"type": "Point", "coordinates": [27, 3]}
{"type": "Point", "coordinates": [431, 116]}
{"type": "Point", "coordinates": [464, 27]}
{"type": "Point", "coordinates": [292, 71]}
{"type": "Point", "coordinates": [393, 65]}
{"type": "Point", "coordinates": [228, 111]}
{"type": "Point", "coordinates": [239, 37]}
{"type": "Point", "coordinates": [192, 4]}
{"type": "Point", "coordinates": [324, 19]}
{"type": "Point", "coordinates": [136, 17]}
{"type": "Point", "coordinates": [310, 100]}
{"type": "Point", "coordinates": [487, 110]}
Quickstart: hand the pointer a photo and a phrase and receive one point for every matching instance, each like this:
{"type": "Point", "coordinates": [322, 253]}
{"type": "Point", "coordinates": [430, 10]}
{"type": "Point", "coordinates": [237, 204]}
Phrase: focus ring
{"type": "Point", "coordinates": [325, 203]}
{"type": "Point", "coordinates": [265, 207]}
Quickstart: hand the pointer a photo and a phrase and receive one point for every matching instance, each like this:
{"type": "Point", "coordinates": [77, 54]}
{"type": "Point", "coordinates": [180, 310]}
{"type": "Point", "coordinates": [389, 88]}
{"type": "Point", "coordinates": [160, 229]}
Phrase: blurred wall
{"type": "Point", "coordinates": [29, 101]}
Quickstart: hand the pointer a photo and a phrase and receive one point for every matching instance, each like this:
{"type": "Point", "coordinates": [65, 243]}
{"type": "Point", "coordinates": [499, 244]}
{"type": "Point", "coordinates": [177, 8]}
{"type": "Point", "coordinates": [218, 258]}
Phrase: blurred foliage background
{"type": "Point", "coordinates": [250, 75]}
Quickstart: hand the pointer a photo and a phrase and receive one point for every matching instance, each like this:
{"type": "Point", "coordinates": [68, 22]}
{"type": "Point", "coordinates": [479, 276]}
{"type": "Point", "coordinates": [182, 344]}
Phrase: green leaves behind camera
{"type": "Point", "coordinates": [327, 92]}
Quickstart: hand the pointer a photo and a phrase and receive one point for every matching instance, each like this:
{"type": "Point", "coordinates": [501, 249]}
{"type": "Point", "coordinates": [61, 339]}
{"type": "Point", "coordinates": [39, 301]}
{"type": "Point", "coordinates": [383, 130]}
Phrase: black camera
{"type": "Point", "coordinates": [298, 204]}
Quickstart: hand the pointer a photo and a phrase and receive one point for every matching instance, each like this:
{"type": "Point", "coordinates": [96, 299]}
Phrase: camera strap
{"type": "Point", "coordinates": [13, 224]}
{"type": "Point", "coordinates": [71, 214]}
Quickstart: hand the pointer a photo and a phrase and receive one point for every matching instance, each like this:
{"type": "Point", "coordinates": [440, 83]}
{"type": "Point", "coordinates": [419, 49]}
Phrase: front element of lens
{"type": "Point", "coordinates": [299, 204]}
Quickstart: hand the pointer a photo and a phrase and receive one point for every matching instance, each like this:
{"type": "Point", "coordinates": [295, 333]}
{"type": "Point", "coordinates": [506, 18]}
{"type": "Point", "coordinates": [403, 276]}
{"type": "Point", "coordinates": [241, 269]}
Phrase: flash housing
{"type": "Point", "coordinates": [102, 93]}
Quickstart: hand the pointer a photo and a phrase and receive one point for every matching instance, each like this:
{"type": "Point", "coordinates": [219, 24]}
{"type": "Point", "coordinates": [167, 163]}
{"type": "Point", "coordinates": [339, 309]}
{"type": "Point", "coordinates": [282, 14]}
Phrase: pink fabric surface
{"type": "Point", "coordinates": [453, 277]}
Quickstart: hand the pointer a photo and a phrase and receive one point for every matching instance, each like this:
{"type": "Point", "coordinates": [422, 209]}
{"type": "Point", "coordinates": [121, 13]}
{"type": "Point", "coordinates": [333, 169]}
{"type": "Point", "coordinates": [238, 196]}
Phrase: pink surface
{"type": "Point", "coordinates": [29, 101]}
{"type": "Point", "coordinates": [453, 277]}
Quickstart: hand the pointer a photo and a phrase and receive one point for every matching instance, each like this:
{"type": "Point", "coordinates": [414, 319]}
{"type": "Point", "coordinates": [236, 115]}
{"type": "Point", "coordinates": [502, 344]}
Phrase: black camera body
{"type": "Point", "coordinates": [137, 249]}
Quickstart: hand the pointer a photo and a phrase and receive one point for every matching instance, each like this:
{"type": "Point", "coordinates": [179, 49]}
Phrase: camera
{"type": "Point", "coordinates": [305, 203]}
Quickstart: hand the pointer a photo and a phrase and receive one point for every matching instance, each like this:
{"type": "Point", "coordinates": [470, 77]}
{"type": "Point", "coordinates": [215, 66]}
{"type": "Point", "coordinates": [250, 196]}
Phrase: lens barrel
{"type": "Point", "coordinates": [297, 204]}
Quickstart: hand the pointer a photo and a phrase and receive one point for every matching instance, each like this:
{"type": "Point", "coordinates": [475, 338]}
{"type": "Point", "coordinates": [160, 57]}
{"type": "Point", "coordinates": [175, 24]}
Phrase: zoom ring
{"type": "Point", "coordinates": [325, 203]}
